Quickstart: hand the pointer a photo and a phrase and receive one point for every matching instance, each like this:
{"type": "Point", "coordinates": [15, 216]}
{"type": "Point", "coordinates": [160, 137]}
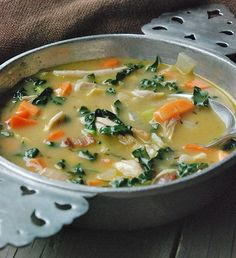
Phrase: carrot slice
{"type": "Point", "coordinates": [110, 63]}
{"type": "Point", "coordinates": [36, 163]}
{"type": "Point", "coordinates": [54, 136]}
{"type": "Point", "coordinates": [24, 114]}
{"type": "Point", "coordinates": [30, 108]}
{"type": "Point", "coordinates": [18, 122]}
{"type": "Point", "coordinates": [64, 89]}
{"type": "Point", "coordinates": [196, 82]}
{"type": "Point", "coordinates": [95, 182]}
{"type": "Point", "coordinates": [173, 109]}
{"type": "Point", "coordinates": [196, 148]}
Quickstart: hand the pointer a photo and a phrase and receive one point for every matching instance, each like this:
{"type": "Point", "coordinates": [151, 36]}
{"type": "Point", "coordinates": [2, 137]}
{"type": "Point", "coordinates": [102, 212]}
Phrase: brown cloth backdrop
{"type": "Point", "coordinates": [26, 24]}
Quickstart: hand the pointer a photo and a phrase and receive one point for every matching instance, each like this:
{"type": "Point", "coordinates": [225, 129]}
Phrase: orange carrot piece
{"type": "Point", "coordinates": [173, 109]}
{"type": "Point", "coordinates": [19, 122]}
{"type": "Point", "coordinates": [24, 114]}
{"type": "Point", "coordinates": [64, 89]}
{"type": "Point", "coordinates": [196, 82]}
{"type": "Point", "coordinates": [95, 182]}
{"type": "Point", "coordinates": [54, 136]}
{"type": "Point", "coordinates": [30, 108]}
{"type": "Point", "coordinates": [196, 148]}
{"type": "Point", "coordinates": [36, 163]}
{"type": "Point", "coordinates": [110, 63]}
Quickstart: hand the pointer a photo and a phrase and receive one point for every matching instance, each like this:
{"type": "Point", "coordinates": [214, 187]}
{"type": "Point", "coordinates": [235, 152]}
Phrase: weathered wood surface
{"type": "Point", "coordinates": [209, 233]}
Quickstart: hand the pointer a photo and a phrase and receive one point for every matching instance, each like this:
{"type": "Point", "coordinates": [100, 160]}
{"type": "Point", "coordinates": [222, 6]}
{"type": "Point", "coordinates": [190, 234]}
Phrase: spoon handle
{"type": "Point", "coordinates": [222, 139]}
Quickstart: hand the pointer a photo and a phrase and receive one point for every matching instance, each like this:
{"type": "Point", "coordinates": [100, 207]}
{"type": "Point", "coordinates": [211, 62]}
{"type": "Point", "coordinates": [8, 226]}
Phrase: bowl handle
{"type": "Point", "coordinates": [30, 209]}
{"type": "Point", "coordinates": [210, 27]}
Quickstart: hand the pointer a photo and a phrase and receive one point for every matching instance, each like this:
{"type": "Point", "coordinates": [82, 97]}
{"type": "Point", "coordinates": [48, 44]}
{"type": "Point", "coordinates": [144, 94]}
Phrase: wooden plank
{"type": "Point", "coordinates": [158, 242]}
{"type": "Point", "coordinates": [211, 232]}
{"type": "Point", "coordinates": [8, 252]}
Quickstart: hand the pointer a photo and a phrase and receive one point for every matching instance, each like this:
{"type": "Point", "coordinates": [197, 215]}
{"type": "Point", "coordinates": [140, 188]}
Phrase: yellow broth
{"type": "Point", "coordinates": [89, 157]}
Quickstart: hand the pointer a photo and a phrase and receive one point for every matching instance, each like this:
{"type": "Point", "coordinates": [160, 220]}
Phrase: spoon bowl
{"type": "Point", "coordinates": [225, 114]}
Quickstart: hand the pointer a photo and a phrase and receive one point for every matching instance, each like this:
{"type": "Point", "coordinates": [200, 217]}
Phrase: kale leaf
{"type": "Point", "coordinates": [145, 162]}
{"type": "Point", "coordinates": [61, 164]}
{"type": "Point", "coordinates": [90, 122]}
{"type": "Point", "coordinates": [118, 106]}
{"type": "Point", "coordinates": [36, 81]}
{"type": "Point", "coordinates": [58, 100]}
{"type": "Point", "coordinates": [85, 154]}
{"type": "Point", "coordinates": [31, 153]}
{"type": "Point", "coordinates": [124, 73]}
{"type": "Point", "coordinates": [188, 169]}
{"type": "Point", "coordinates": [157, 83]}
{"type": "Point", "coordinates": [19, 94]}
{"type": "Point", "coordinates": [153, 67]}
{"type": "Point", "coordinates": [43, 97]}
{"type": "Point", "coordinates": [110, 91]}
{"type": "Point", "coordinates": [200, 97]}
{"type": "Point", "coordinates": [91, 78]}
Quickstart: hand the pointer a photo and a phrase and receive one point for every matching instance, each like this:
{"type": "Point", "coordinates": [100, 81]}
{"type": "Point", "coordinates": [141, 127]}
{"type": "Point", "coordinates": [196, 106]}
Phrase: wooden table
{"type": "Point", "coordinates": [209, 232]}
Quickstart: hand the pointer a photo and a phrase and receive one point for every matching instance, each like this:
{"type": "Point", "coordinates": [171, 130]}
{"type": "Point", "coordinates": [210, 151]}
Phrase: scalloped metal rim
{"type": "Point", "coordinates": [177, 184]}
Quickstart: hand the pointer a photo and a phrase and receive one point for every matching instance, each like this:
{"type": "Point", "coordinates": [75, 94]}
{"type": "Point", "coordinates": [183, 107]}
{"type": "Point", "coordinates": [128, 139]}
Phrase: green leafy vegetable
{"type": "Point", "coordinates": [124, 73]}
{"type": "Point", "coordinates": [19, 94]}
{"type": "Point", "coordinates": [110, 91]}
{"type": "Point", "coordinates": [188, 169]}
{"type": "Point", "coordinates": [77, 180]}
{"type": "Point", "coordinates": [125, 182]}
{"type": "Point", "coordinates": [31, 153]}
{"type": "Point", "coordinates": [153, 67]}
{"type": "Point", "coordinates": [61, 164]}
{"type": "Point", "coordinates": [200, 97]}
{"type": "Point", "coordinates": [84, 111]}
{"type": "Point", "coordinates": [78, 170]}
{"type": "Point", "coordinates": [85, 154]}
{"type": "Point", "coordinates": [158, 83]}
{"type": "Point", "coordinates": [146, 163]}
{"type": "Point", "coordinates": [36, 81]}
{"type": "Point", "coordinates": [91, 78]}
{"type": "Point", "coordinates": [154, 126]}
{"type": "Point", "coordinates": [116, 129]}
{"type": "Point", "coordinates": [119, 128]}
{"type": "Point", "coordinates": [229, 145]}
{"type": "Point", "coordinates": [118, 106]}
{"type": "Point", "coordinates": [58, 100]}
{"type": "Point", "coordinates": [44, 97]}
{"type": "Point", "coordinates": [162, 152]}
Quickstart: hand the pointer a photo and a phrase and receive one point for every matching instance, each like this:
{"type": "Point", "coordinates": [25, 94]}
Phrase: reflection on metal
{"type": "Point", "coordinates": [29, 210]}
{"type": "Point", "coordinates": [211, 27]}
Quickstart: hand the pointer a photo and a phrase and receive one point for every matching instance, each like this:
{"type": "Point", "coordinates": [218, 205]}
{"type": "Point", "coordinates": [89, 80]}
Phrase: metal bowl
{"type": "Point", "coordinates": [33, 206]}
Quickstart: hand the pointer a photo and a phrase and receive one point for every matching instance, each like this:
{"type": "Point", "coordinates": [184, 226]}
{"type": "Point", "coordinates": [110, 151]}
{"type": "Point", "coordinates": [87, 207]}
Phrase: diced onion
{"type": "Point", "coordinates": [185, 63]}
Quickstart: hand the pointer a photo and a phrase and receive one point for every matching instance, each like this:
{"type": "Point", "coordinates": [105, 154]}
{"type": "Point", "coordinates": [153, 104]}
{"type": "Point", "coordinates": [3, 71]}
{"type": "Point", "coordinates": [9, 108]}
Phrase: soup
{"type": "Point", "coordinates": [114, 122]}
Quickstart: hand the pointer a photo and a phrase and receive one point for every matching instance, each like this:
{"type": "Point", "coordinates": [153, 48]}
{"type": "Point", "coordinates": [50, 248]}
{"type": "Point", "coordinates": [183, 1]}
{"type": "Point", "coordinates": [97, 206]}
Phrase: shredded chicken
{"type": "Point", "coordinates": [129, 168]}
{"type": "Point", "coordinates": [107, 175]}
{"type": "Point", "coordinates": [101, 122]}
{"type": "Point", "coordinates": [87, 72]}
{"type": "Point", "coordinates": [141, 134]}
{"type": "Point", "coordinates": [126, 139]}
{"type": "Point", "coordinates": [53, 173]}
{"type": "Point", "coordinates": [79, 85]}
{"type": "Point", "coordinates": [55, 120]}
{"type": "Point", "coordinates": [189, 159]}
{"type": "Point", "coordinates": [147, 93]}
{"type": "Point", "coordinates": [168, 128]}
{"type": "Point", "coordinates": [168, 171]}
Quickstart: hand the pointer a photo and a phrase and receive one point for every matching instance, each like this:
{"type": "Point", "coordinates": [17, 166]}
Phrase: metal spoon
{"type": "Point", "coordinates": [226, 115]}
